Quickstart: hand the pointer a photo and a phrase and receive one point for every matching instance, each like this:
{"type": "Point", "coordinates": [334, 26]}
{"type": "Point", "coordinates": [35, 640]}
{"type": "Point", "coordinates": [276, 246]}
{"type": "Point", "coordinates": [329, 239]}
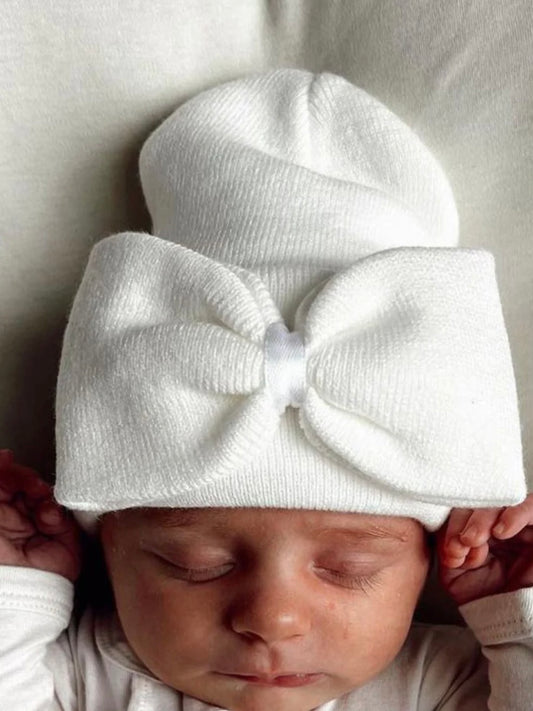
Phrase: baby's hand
{"type": "Point", "coordinates": [35, 532]}
{"type": "Point", "coordinates": [487, 551]}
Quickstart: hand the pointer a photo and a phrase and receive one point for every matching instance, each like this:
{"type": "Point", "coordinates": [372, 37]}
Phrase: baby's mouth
{"type": "Point", "coordinates": [291, 679]}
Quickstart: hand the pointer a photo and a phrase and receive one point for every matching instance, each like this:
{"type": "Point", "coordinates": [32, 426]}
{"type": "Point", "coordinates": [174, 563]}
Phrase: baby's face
{"type": "Point", "coordinates": [260, 609]}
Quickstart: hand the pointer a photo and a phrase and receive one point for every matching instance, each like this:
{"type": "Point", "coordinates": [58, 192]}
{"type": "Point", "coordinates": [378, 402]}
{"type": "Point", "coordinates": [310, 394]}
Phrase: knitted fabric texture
{"type": "Point", "coordinates": [300, 331]}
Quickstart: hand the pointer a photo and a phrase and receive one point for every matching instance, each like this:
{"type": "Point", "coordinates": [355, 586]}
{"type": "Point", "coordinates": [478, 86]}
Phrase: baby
{"type": "Point", "coordinates": [271, 414]}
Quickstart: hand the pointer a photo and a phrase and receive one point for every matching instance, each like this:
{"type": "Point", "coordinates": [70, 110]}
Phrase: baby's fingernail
{"type": "Point", "coordinates": [470, 532]}
{"type": "Point", "coordinates": [453, 561]}
{"type": "Point", "coordinates": [498, 529]}
{"type": "Point", "coordinates": [454, 543]}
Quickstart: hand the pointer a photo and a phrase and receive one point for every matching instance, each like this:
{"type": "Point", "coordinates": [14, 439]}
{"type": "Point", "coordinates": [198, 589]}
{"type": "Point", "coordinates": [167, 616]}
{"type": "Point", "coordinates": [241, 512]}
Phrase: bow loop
{"type": "Point", "coordinates": [411, 370]}
{"type": "Point", "coordinates": [148, 281]}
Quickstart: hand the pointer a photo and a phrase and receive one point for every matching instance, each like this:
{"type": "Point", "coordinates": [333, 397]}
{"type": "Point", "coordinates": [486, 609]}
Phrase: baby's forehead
{"type": "Point", "coordinates": [301, 521]}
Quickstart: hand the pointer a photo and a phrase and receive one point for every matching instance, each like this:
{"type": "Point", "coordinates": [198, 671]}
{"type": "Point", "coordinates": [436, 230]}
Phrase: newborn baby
{"type": "Point", "coordinates": [273, 414]}
{"type": "Point", "coordinates": [261, 608]}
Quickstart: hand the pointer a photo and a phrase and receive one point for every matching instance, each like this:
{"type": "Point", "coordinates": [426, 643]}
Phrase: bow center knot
{"type": "Point", "coordinates": [285, 366]}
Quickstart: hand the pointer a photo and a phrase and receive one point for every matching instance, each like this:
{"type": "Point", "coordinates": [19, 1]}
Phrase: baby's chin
{"type": "Point", "coordinates": [289, 694]}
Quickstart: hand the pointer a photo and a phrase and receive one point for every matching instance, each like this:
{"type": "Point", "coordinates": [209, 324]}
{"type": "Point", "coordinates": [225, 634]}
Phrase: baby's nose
{"type": "Point", "coordinates": [270, 612]}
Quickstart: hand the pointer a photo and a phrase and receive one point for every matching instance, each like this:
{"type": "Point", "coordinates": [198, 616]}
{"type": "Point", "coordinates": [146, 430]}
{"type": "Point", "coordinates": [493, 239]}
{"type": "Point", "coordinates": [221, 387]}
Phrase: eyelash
{"type": "Point", "coordinates": [188, 574]}
{"type": "Point", "coordinates": [364, 583]}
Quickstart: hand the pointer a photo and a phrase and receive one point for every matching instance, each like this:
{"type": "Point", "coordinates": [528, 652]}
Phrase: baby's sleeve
{"type": "Point", "coordinates": [36, 665]}
{"type": "Point", "coordinates": [503, 624]}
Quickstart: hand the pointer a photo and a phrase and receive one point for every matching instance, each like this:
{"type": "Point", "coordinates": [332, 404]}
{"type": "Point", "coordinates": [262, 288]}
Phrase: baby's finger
{"type": "Point", "coordinates": [13, 524]}
{"type": "Point", "coordinates": [18, 502]}
{"type": "Point", "coordinates": [449, 561]}
{"type": "Point", "coordinates": [456, 522]}
{"type": "Point", "coordinates": [50, 517]}
{"type": "Point", "coordinates": [476, 557]}
{"type": "Point", "coordinates": [477, 529]}
{"type": "Point", "coordinates": [513, 519]}
{"type": "Point", "coordinates": [59, 525]}
{"type": "Point", "coordinates": [451, 546]}
{"type": "Point", "coordinates": [54, 520]}
{"type": "Point", "coordinates": [17, 478]}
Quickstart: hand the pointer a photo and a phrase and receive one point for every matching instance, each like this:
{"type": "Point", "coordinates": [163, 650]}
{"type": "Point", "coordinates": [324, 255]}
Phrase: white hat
{"type": "Point", "coordinates": [300, 331]}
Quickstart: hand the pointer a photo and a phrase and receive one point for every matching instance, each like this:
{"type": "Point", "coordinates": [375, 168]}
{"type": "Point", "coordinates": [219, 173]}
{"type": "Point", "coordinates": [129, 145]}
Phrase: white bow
{"type": "Point", "coordinates": [400, 366]}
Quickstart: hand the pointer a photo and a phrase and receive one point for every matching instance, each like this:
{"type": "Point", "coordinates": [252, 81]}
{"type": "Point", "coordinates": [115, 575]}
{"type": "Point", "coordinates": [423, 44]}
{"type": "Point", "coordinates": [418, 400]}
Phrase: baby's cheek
{"type": "Point", "coordinates": [169, 641]}
{"type": "Point", "coordinates": [392, 600]}
{"type": "Point", "coordinates": [372, 633]}
{"type": "Point", "coordinates": [395, 601]}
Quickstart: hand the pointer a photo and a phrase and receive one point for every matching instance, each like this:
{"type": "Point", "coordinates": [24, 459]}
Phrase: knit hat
{"type": "Point", "coordinates": [301, 329]}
